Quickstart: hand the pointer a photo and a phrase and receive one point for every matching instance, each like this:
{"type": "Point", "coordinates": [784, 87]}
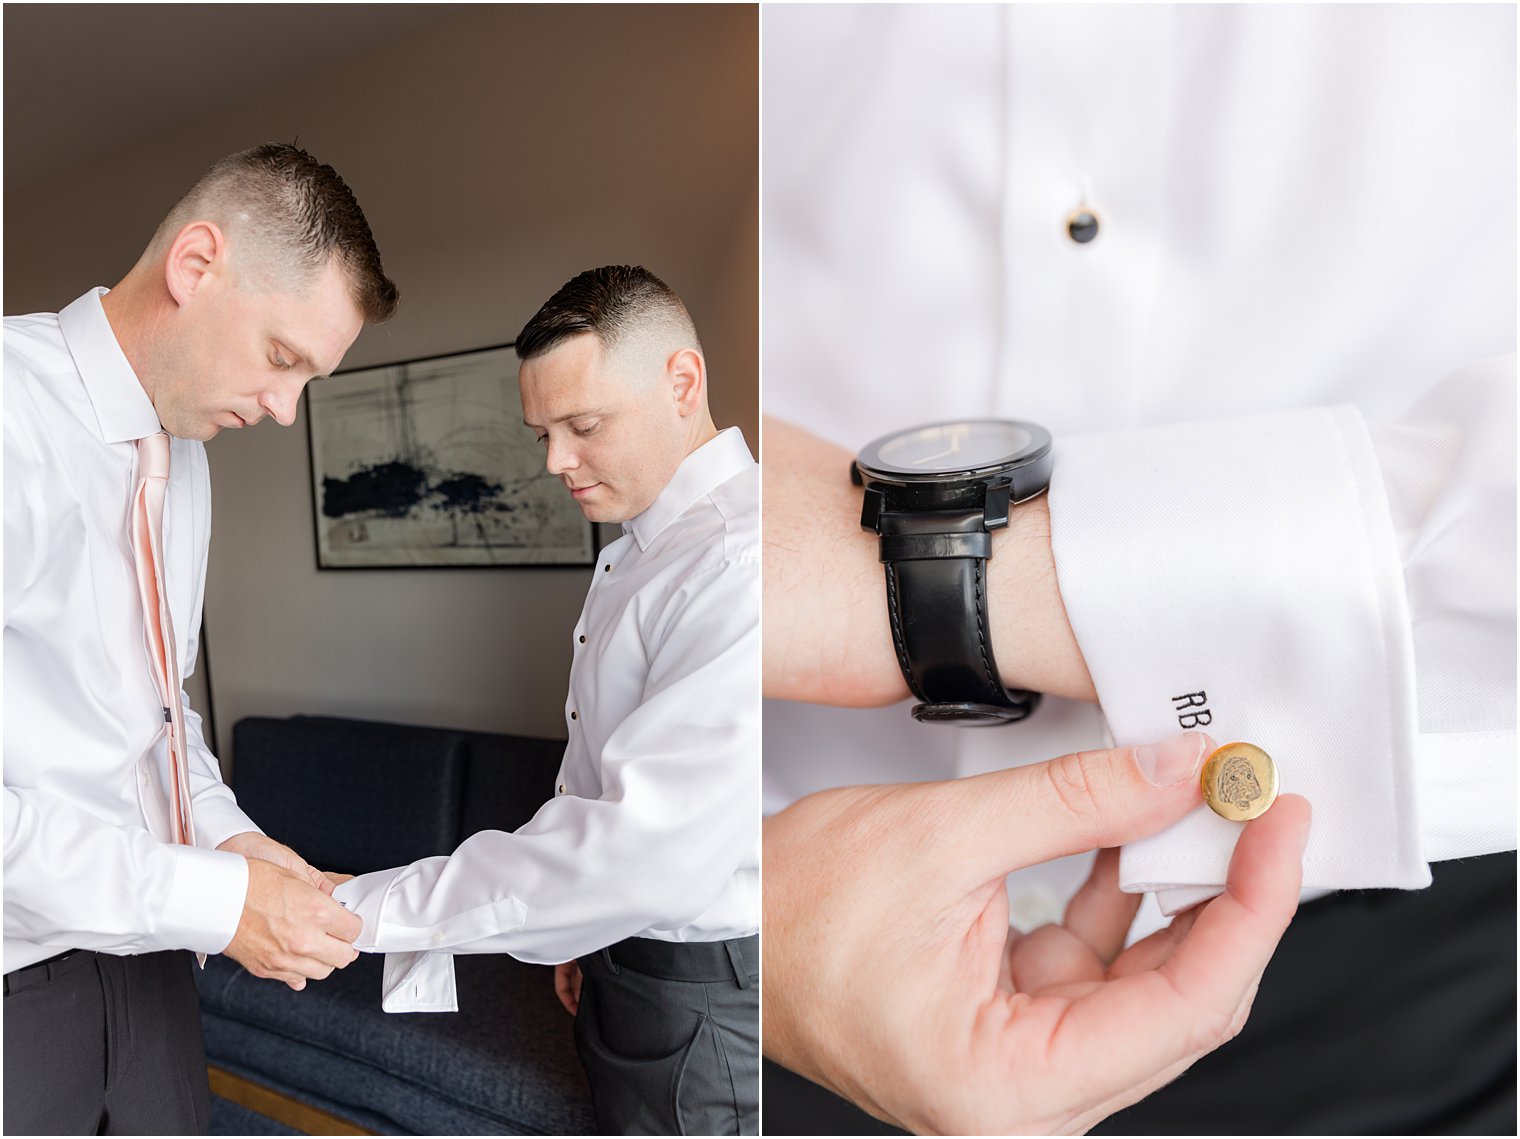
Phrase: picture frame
{"type": "Point", "coordinates": [426, 464]}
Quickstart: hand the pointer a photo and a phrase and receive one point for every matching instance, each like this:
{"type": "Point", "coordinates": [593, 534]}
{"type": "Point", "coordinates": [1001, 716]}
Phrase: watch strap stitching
{"type": "Point", "coordinates": [899, 646]}
{"type": "Point", "coordinates": [981, 631]}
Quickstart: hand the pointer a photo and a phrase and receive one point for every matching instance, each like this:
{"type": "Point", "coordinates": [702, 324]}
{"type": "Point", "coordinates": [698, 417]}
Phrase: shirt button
{"type": "Point", "coordinates": [1082, 226]}
{"type": "Point", "coordinates": [607, 568]}
{"type": "Point", "coordinates": [438, 938]}
{"type": "Point", "coordinates": [575, 715]}
{"type": "Point", "coordinates": [561, 788]}
{"type": "Point", "coordinates": [1239, 781]}
{"type": "Point", "coordinates": [583, 638]}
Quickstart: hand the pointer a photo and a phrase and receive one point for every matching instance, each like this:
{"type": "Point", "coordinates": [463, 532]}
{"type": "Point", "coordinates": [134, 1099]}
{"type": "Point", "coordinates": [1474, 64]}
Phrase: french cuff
{"type": "Point", "coordinates": [394, 906]}
{"type": "Point", "coordinates": [364, 895]}
{"type": "Point", "coordinates": [413, 981]}
{"type": "Point", "coordinates": [419, 982]}
{"type": "Point", "coordinates": [205, 901]}
{"type": "Point", "coordinates": [1241, 577]}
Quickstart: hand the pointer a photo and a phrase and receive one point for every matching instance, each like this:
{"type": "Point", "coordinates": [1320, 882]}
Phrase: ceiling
{"type": "Point", "coordinates": [84, 80]}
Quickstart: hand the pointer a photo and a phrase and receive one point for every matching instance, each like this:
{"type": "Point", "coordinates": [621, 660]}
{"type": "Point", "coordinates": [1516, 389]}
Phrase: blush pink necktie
{"type": "Point", "coordinates": [158, 624]}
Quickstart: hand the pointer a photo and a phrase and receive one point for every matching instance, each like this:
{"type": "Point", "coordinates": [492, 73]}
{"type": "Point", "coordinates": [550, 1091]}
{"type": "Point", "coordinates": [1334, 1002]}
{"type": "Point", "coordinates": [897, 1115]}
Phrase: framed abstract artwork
{"type": "Point", "coordinates": [427, 464]}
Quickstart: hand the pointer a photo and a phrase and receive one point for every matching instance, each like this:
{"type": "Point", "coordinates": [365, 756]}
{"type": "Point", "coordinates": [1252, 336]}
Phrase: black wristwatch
{"type": "Point", "coordinates": [935, 494]}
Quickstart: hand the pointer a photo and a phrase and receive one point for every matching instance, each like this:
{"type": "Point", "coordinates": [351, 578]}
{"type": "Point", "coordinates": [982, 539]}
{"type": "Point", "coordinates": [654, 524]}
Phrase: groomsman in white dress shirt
{"type": "Point", "coordinates": [257, 280]}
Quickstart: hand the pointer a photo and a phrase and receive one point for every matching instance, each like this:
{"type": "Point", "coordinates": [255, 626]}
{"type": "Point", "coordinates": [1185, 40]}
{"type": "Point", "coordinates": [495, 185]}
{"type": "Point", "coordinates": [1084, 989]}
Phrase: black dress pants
{"type": "Point", "coordinates": [669, 1036]}
{"type": "Point", "coordinates": [1384, 1012]}
{"type": "Point", "coordinates": [103, 1045]}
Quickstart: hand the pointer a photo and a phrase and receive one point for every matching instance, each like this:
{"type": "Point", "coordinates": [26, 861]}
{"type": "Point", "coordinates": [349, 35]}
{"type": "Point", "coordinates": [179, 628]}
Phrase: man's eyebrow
{"type": "Point", "coordinates": [572, 415]}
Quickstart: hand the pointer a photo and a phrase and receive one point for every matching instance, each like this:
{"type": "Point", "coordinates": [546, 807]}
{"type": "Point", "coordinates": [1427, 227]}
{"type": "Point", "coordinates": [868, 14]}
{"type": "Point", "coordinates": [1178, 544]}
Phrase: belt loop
{"type": "Point", "coordinates": [610, 963]}
{"type": "Point", "coordinates": [741, 974]}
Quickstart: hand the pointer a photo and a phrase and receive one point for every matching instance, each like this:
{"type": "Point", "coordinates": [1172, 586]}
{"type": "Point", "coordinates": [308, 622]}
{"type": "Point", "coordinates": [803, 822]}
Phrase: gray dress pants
{"type": "Point", "coordinates": [103, 1045]}
{"type": "Point", "coordinates": [669, 1035]}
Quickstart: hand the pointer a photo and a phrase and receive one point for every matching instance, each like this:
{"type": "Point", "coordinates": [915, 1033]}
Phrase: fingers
{"type": "Point", "coordinates": [298, 865]}
{"type": "Point", "coordinates": [1100, 914]}
{"type": "Point", "coordinates": [1150, 1022]}
{"type": "Point", "coordinates": [566, 986]}
{"type": "Point", "coordinates": [1151, 952]}
{"type": "Point", "coordinates": [1132, 1095]}
{"type": "Point", "coordinates": [308, 960]}
{"type": "Point", "coordinates": [1025, 815]}
{"type": "Point", "coordinates": [252, 844]}
{"type": "Point", "coordinates": [333, 919]}
{"type": "Point", "coordinates": [334, 879]}
{"type": "Point", "coordinates": [1051, 956]}
{"type": "Point", "coordinates": [289, 930]}
{"type": "Point", "coordinates": [1234, 936]}
{"type": "Point", "coordinates": [328, 953]}
{"type": "Point", "coordinates": [339, 921]}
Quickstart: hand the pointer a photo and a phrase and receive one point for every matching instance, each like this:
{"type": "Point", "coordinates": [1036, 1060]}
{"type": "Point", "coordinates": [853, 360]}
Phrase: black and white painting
{"type": "Point", "coordinates": [428, 463]}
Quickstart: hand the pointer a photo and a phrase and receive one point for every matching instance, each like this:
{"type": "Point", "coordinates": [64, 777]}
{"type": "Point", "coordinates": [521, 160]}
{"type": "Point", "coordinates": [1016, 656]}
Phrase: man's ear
{"type": "Point", "coordinates": [196, 254]}
{"type": "Point", "coordinates": [687, 372]}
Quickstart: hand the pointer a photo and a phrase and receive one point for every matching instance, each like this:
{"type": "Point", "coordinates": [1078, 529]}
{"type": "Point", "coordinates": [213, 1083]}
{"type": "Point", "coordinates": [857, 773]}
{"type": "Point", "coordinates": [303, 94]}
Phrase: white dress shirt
{"type": "Point", "coordinates": [1280, 381]}
{"type": "Point", "coordinates": [88, 861]}
{"type": "Point", "coordinates": [654, 828]}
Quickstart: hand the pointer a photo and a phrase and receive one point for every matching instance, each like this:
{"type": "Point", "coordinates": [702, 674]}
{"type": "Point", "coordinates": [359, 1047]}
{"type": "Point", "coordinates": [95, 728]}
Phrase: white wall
{"type": "Point", "coordinates": [496, 153]}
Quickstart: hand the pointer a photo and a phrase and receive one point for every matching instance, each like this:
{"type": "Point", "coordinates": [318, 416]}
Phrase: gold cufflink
{"type": "Point", "coordinates": [1239, 781]}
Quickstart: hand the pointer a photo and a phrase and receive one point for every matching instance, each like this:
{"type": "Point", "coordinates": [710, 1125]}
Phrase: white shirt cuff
{"type": "Point", "coordinates": [205, 901]}
{"type": "Point", "coordinates": [1241, 577]}
{"type": "Point", "coordinates": [414, 980]}
{"type": "Point", "coordinates": [419, 982]}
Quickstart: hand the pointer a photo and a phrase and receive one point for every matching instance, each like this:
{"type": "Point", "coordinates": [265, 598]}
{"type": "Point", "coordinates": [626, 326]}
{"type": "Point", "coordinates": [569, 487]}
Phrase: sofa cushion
{"type": "Point", "coordinates": [510, 778]}
{"type": "Point", "coordinates": [504, 1064]}
{"type": "Point", "coordinates": [352, 795]}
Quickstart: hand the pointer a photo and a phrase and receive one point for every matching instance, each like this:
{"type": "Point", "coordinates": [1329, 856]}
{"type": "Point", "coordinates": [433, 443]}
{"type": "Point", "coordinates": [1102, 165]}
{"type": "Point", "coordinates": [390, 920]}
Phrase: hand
{"type": "Point", "coordinates": [334, 879]}
{"type": "Point", "coordinates": [891, 976]}
{"type": "Point", "coordinates": [827, 640]}
{"type": "Point", "coordinates": [567, 985]}
{"type": "Point", "coordinates": [289, 929]}
{"type": "Point", "coordinates": [252, 844]}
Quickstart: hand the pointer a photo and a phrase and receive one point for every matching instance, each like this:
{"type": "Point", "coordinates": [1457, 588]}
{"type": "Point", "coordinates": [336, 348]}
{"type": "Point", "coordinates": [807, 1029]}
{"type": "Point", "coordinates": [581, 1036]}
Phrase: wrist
{"type": "Point", "coordinates": [1031, 635]}
{"type": "Point", "coordinates": [828, 639]}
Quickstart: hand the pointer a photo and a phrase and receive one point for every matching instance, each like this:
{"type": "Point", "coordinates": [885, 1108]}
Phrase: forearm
{"type": "Point", "coordinates": [543, 897]}
{"type": "Point", "coordinates": [827, 639]}
{"type": "Point", "coordinates": [75, 881]}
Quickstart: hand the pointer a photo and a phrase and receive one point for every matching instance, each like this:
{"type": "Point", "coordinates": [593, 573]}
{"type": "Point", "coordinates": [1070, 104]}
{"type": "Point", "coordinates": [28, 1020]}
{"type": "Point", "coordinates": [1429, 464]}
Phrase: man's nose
{"type": "Point", "coordinates": [280, 402]}
{"type": "Point", "coordinates": [561, 457]}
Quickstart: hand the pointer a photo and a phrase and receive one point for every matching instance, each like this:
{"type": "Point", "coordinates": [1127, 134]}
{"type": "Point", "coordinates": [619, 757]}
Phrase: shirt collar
{"type": "Point", "coordinates": [123, 410]}
{"type": "Point", "coordinates": [709, 466]}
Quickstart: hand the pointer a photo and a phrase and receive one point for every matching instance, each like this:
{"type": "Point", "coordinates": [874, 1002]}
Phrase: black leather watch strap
{"type": "Point", "coordinates": [936, 564]}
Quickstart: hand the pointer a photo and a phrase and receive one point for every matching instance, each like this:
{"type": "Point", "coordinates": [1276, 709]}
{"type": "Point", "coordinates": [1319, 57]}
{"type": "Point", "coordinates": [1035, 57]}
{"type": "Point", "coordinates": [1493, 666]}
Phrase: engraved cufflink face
{"type": "Point", "coordinates": [1239, 781]}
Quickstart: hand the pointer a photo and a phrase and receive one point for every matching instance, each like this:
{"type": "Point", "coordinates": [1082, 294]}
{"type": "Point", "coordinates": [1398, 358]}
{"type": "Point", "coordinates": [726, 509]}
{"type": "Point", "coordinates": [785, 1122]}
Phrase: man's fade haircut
{"type": "Point", "coordinates": [615, 302]}
{"type": "Point", "coordinates": [289, 213]}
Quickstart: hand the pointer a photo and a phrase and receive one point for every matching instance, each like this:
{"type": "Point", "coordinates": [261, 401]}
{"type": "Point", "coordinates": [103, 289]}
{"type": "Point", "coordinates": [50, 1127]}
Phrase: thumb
{"type": "Point", "coordinates": [1084, 801]}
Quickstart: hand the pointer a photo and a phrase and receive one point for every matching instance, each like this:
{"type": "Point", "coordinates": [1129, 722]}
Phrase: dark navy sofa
{"type": "Point", "coordinates": [353, 796]}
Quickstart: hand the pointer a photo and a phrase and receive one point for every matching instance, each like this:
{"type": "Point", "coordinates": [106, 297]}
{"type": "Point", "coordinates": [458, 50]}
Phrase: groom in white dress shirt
{"type": "Point", "coordinates": [644, 865]}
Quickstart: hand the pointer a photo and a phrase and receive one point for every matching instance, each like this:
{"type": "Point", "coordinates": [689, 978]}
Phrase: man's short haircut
{"type": "Point", "coordinates": [614, 302]}
{"type": "Point", "coordinates": [287, 214]}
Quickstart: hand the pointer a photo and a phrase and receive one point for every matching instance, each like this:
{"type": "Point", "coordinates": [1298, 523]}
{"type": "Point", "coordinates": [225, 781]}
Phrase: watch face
{"type": "Point", "coordinates": [956, 448]}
